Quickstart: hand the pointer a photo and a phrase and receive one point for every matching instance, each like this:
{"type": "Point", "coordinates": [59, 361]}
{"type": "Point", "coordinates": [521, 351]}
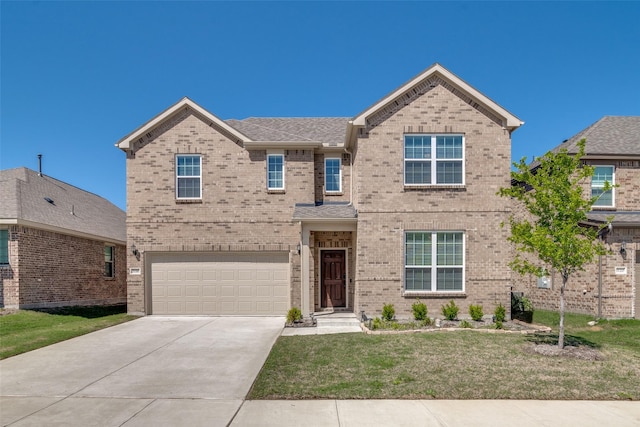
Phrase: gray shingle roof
{"type": "Point", "coordinates": [620, 218]}
{"type": "Point", "coordinates": [336, 210]}
{"type": "Point", "coordinates": [22, 197]}
{"type": "Point", "coordinates": [611, 135]}
{"type": "Point", "coordinates": [329, 130]}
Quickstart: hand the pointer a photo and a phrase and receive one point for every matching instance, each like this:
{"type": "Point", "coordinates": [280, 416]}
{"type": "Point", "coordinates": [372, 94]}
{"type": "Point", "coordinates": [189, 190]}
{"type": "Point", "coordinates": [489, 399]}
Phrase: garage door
{"type": "Point", "coordinates": [220, 283]}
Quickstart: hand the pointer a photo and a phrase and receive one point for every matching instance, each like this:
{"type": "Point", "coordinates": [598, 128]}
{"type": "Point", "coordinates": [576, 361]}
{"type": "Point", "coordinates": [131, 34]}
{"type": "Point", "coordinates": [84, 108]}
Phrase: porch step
{"type": "Point", "coordinates": [337, 320]}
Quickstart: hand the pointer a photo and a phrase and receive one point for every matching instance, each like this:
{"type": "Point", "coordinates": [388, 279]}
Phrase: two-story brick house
{"type": "Point", "coordinates": [258, 215]}
{"type": "Point", "coordinates": [609, 287]}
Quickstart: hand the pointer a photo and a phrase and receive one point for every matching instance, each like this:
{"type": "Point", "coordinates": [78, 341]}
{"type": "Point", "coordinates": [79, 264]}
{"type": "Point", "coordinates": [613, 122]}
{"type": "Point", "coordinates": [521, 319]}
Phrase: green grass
{"type": "Point", "coordinates": [455, 365]}
{"type": "Point", "coordinates": [28, 330]}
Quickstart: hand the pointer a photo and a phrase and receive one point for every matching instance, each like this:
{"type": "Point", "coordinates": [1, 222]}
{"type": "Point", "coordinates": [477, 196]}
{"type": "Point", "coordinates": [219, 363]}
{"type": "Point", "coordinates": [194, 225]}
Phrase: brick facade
{"type": "Point", "coordinates": [237, 213]}
{"type": "Point", "coordinates": [386, 208]}
{"type": "Point", "coordinates": [49, 269]}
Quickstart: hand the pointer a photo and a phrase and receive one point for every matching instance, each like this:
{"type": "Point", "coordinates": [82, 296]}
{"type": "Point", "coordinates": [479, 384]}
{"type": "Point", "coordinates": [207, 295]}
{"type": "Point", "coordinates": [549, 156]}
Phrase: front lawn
{"type": "Point", "coordinates": [27, 330]}
{"type": "Point", "coordinates": [455, 365]}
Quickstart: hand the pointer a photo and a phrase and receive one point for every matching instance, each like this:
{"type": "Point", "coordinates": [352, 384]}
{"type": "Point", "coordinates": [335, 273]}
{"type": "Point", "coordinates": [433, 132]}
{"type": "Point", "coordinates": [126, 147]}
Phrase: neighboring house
{"type": "Point", "coordinates": [258, 215]}
{"type": "Point", "coordinates": [59, 245]}
{"type": "Point", "coordinates": [610, 287]}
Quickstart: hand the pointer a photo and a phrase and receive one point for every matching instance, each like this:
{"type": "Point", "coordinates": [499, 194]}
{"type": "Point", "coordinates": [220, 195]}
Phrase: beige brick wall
{"type": "Point", "coordinates": [236, 212]}
{"type": "Point", "coordinates": [50, 269]}
{"type": "Point", "coordinates": [320, 194]}
{"type": "Point", "coordinates": [386, 209]}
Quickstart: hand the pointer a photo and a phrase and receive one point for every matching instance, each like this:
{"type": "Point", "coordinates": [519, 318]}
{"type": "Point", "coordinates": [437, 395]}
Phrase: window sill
{"type": "Point", "coordinates": [422, 294]}
{"type": "Point", "coordinates": [188, 201]}
{"type": "Point", "coordinates": [603, 208]}
{"type": "Point", "coordinates": [276, 191]}
{"type": "Point", "coordinates": [334, 193]}
{"type": "Point", "coordinates": [425, 188]}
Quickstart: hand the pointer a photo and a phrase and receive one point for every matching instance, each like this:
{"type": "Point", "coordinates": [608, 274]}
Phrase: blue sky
{"type": "Point", "coordinates": [78, 76]}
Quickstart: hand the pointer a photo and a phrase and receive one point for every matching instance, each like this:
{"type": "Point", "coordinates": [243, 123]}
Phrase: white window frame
{"type": "Point", "coordinates": [274, 155]}
{"type": "Point", "coordinates": [434, 263]}
{"type": "Point", "coordinates": [433, 160]}
{"type": "Point", "coordinates": [613, 182]}
{"type": "Point", "coordinates": [339, 160]}
{"type": "Point", "coordinates": [111, 261]}
{"type": "Point", "coordinates": [178, 177]}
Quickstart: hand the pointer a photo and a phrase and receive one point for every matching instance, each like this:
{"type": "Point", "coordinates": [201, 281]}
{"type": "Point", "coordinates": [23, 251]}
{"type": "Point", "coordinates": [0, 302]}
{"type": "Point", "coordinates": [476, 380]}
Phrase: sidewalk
{"type": "Point", "coordinates": [437, 413]}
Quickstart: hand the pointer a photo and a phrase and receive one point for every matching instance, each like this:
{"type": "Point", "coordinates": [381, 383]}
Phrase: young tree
{"type": "Point", "coordinates": [554, 230]}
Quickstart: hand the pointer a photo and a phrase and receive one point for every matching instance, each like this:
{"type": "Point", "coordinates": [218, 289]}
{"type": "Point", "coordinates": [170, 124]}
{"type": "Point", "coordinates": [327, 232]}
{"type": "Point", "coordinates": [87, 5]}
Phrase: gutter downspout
{"type": "Point", "coordinates": [599, 286]}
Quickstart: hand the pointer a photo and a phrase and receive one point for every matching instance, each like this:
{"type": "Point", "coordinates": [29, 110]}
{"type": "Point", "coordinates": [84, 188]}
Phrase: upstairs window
{"type": "Point", "coordinates": [332, 175]}
{"type": "Point", "coordinates": [434, 262]}
{"type": "Point", "coordinates": [601, 175]}
{"type": "Point", "coordinates": [433, 160]}
{"type": "Point", "coordinates": [109, 255]}
{"type": "Point", "coordinates": [275, 171]}
{"type": "Point", "coordinates": [188, 176]}
{"type": "Point", "coordinates": [4, 247]}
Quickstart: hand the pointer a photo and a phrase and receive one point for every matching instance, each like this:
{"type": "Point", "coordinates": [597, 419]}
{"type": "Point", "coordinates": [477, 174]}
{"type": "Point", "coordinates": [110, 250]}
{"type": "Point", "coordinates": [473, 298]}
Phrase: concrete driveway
{"type": "Point", "coordinates": [151, 371]}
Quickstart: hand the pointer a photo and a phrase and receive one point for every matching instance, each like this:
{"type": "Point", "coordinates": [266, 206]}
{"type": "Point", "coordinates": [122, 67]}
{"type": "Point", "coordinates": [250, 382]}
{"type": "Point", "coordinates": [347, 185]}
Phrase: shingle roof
{"type": "Point", "coordinates": [620, 218]}
{"type": "Point", "coordinates": [611, 135]}
{"type": "Point", "coordinates": [338, 210]}
{"type": "Point", "coordinates": [22, 197]}
{"type": "Point", "coordinates": [329, 130]}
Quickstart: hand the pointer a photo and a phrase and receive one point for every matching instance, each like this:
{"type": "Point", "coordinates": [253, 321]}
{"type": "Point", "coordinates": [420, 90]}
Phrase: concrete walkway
{"type": "Point", "coordinates": [196, 371]}
{"type": "Point", "coordinates": [437, 413]}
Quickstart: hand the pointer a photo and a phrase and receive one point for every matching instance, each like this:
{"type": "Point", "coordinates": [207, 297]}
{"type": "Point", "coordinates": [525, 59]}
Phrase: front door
{"type": "Point", "coordinates": [333, 276]}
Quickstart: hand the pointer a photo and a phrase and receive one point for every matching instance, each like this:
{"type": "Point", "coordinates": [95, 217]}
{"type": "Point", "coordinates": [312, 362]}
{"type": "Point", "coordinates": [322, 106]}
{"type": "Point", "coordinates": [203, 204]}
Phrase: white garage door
{"type": "Point", "coordinates": [220, 283]}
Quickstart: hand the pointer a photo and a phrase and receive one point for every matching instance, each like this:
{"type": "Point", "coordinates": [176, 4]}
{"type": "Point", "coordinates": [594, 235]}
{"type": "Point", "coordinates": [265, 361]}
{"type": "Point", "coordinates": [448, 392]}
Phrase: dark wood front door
{"type": "Point", "coordinates": [334, 279]}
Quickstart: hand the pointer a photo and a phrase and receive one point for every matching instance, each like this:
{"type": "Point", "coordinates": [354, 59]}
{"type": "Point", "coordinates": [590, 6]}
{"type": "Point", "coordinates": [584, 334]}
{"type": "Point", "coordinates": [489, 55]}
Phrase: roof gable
{"type": "Point", "coordinates": [184, 105]}
{"type": "Point", "coordinates": [422, 83]}
{"type": "Point", "coordinates": [70, 210]}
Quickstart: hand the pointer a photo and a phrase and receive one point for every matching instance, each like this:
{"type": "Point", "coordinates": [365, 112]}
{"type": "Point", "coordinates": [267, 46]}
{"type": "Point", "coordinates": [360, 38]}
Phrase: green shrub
{"type": "Point", "coordinates": [475, 311]}
{"type": "Point", "coordinates": [294, 314]}
{"type": "Point", "coordinates": [450, 311]}
{"type": "Point", "coordinates": [388, 312]}
{"type": "Point", "coordinates": [377, 323]}
{"type": "Point", "coordinates": [425, 322]}
{"type": "Point", "coordinates": [465, 324]}
{"type": "Point", "coordinates": [419, 310]}
{"type": "Point", "coordinates": [501, 313]}
{"type": "Point", "coordinates": [498, 324]}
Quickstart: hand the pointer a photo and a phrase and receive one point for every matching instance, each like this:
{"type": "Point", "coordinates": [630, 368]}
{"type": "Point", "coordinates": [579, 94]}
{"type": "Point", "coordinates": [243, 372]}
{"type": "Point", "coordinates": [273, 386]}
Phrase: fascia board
{"type": "Point", "coordinates": [60, 230]}
{"type": "Point", "coordinates": [286, 145]}
{"type": "Point", "coordinates": [511, 121]}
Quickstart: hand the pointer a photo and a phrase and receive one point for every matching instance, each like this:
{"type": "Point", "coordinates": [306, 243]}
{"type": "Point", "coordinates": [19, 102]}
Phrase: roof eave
{"type": "Point", "coordinates": [284, 145]}
{"type": "Point", "coordinates": [60, 230]}
{"type": "Point", "coordinates": [332, 220]}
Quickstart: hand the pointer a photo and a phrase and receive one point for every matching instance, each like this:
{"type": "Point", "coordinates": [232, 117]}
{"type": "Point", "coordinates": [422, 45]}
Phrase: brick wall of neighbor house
{"type": "Point", "coordinates": [386, 209]}
{"type": "Point", "coordinates": [70, 274]}
{"type": "Point", "coordinates": [9, 274]}
{"type": "Point", "coordinates": [581, 293]}
{"type": "Point", "coordinates": [236, 212]}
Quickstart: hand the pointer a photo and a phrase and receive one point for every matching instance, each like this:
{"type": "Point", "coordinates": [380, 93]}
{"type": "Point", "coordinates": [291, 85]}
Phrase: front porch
{"type": "Point", "coordinates": [327, 257]}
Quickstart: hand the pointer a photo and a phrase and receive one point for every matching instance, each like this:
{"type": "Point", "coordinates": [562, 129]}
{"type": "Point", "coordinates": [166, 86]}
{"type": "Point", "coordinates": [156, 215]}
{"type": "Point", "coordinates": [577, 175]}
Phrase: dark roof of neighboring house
{"type": "Point", "coordinates": [23, 198]}
{"type": "Point", "coordinates": [335, 210]}
{"type": "Point", "coordinates": [329, 130]}
{"type": "Point", "coordinates": [619, 218]}
{"type": "Point", "coordinates": [611, 135]}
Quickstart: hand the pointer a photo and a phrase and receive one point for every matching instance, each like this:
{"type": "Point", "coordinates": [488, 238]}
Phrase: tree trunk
{"type": "Point", "coordinates": [561, 329]}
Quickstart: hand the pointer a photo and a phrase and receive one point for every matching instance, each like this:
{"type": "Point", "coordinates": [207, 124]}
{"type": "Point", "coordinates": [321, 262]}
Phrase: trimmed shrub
{"type": "Point", "coordinates": [450, 311]}
{"type": "Point", "coordinates": [388, 312]}
{"type": "Point", "coordinates": [465, 324]}
{"type": "Point", "coordinates": [419, 310]}
{"type": "Point", "coordinates": [294, 314]}
{"type": "Point", "coordinates": [475, 311]}
{"type": "Point", "coordinates": [500, 312]}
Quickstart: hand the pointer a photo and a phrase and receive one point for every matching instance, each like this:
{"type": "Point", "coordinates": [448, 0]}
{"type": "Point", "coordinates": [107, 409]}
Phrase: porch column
{"type": "Point", "coordinates": [304, 271]}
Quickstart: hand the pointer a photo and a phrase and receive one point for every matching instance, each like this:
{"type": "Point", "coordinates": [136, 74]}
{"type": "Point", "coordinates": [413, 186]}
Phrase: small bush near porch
{"type": "Point", "coordinates": [456, 365]}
